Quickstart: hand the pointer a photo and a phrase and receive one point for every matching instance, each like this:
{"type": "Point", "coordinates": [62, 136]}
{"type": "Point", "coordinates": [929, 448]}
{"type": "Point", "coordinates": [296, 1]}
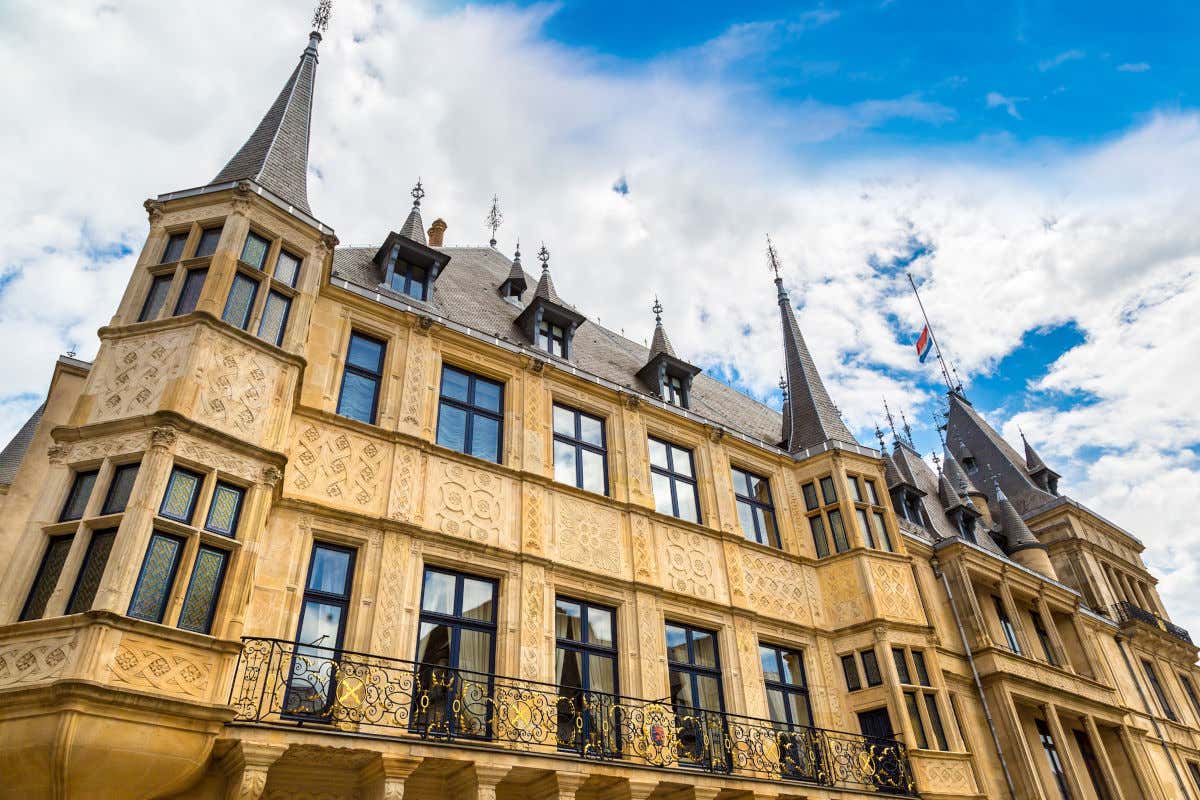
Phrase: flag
{"type": "Point", "coordinates": [924, 344]}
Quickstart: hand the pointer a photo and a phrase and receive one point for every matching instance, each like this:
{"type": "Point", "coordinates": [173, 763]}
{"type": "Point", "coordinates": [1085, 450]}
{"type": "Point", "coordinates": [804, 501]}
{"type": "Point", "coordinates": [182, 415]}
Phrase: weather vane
{"type": "Point", "coordinates": [887, 413]}
{"type": "Point", "coordinates": [657, 308]}
{"type": "Point", "coordinates": [494, 218]}
{"type": "Point", "coordinates": [907, 429]}
{"type": "Point", "coordinates": [773, 256]}
{"type": "Point", "coordinates": [544, 257]}
{"type": "Point", "coordinates": [320, 20]}
{"type": "Point", "coordinates": [417, 193]}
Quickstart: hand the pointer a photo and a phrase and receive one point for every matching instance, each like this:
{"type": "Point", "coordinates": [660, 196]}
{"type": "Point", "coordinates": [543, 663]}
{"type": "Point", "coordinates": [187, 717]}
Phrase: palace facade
{"type": "Point", "coordinates": [402, 522]}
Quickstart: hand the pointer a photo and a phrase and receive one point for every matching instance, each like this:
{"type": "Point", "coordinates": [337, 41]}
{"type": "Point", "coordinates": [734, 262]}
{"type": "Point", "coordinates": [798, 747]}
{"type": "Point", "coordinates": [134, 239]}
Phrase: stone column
{"type": "Point", "coordinates": [1142, 769]}
{"type": "Point", "coordinates": [569, 784]}
{"type": "Point", "coordinates": [386, 778]}
{"type": "Point", "coordinates": [487, 778]}
{"type": "Point", "coordinates": [1108, 774]}
{"type": "Point", "coordinates": [892, 679]}
{"type": "Point", "coordinates": [1061, 656]}
{"type": "Point", "coordinates": [246, 767]}
{"type": "Point", "coordinates": [1014, 616]}
{"type": "Point", "coordinates": [254, 525]}
{"type": "Point", "coordinates": [1024, 764]}
{"type": "Point", "coordinates": [640, 789]}
{"type": "Point", "coordinates": [1070, 767]}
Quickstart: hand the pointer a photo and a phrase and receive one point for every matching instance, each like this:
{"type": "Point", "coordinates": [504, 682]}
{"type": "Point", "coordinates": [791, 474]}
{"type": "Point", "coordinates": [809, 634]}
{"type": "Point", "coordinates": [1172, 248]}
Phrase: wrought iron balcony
{"type": "Point", "coordinates": [282, 683]}
{"type": "Point", "coordinates": [1126, 612]}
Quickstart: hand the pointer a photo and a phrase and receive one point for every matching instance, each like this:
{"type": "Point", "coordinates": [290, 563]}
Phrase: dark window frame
{"type": "Point", "coordinates": [204, 232]}
{"type": "Point", "coordinates": [1189, 689]}
{"type": "Point", "coordinates": [602, 700]}
{"type": "Point", "coordinates": [1053, 757]}
{"type": "Point", "coordinates": [765, 506]}
{"type": "Point", "coordinates": [161, 279]}
{"type": "Point", "coordinates": [1160, 691]}
{"type": "Point", "coordinates": [248, 314]}
{"type": "Point", "coordinates": [192, 502]}
{"type": "Point", "coordinates": [1043, 636]}
{"type": "Point", "coordinates": [850, 671]}
{"type": "Point", "coordinates": [169, 588]}
{"type": "Point", "coordinates": [552, 337]}
{"type": "Point", "coordinates": [283, 322]}
{"type": "Point", "coordinates": [472, 410]}
{"type": "Point", "coordinates": [237, 514]}
{"type": "Point", "coordinates": [690, 670]}
{"type": "Point", "coordinates": [674, 478]}
{"type": "Point", "coordinates": [1006, 626]}
{"type": "Point", "coordinates": [576, 441]}
{"type": "Point", "coordinates": [178, 236]}
{"type": "Point", "coordinates": [72, 495]}
{"type": "Point", "coordinates": [403, 280]}
{"type": "Point", "coordinates": [266, 240]}
{"type": "Point", "coordinates": [96, 536]}
{"type": "Point", "coordinates": [180, 308]}
{"type": "Point", "coordinates": [41, 575]}
{"type": "Point", "coordinates": [362, 372]}
{"type": "Point", "coordinates": [830, 525]}
{"type": "Point", "coordinates": [872, 674]}
{"type": "Point", "coordinates": [788, 689]}
{"type": "Point", "coordinates": [283, 251]}
{"type": "Point", "coordinates": [118, 470]}
{"type": "Point", "coordinates": [215, 598]}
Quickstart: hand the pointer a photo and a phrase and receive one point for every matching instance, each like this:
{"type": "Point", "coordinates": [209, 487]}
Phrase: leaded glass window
{"type": "Point", "coordinates": [174, 249]}
{"type": "Point", "coordinates": [203, 590]}
{"type": "Point", "coordinates": [153, 587]}
{"type": "Point", "coordinates": [88, 582]}
{"type": "Point", "coordinates": [224, 510]}
{"type": "Point", "coordinates": [160, 287]}
{"type": "Point", "coordinates": [241, 301]}
{"type": "Point", "coordinates": [189, 295]}
{"type": "Point", "coordinates": [254, 251]}
{"type": "Point", "coordinates": [361, 378]}
{"type": "Point", "coordinates": [673, 478]}
{"type": "Point", "coordinates": [469, 414]}
{"type": "Point", "coordinates": [756, 512]}
{"type": "Point", "coordinates": [850, 670]}
{"type": "Point", "coordinates": [287, 268]}
{"type": "Point", "coordinates": [77, 498]}
{"type": "Point", "coordinates": [580, 456]}
{"type": "Point", "coordinates": [119, 488]}
{"type": "Point", "coordinates": [274, 318]}
{"type": "Point", "coordinates": [47, 576]}
{"type": "Point", "coordinates": [824, 518]}
{"type": "Point", "coordinates": [208, 242]}
{"type": "Point", "coordinates": [179, 501]}
{"type": "Point", "coordinates": [870, 666]}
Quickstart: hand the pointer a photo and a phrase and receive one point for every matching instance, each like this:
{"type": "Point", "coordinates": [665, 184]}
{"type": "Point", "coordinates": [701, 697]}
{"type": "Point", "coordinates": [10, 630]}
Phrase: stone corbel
{"type": "Point", "coordinates": [154, 210]}
{"type": "Point", "coordinates": [632, 401]}
{"type": "Point", "coordinates": [246, 767]}
{"type": "Point", "coordinates": [241, 199]}
{"type": "Point", "coordinates": [57, 453]}
{"type": "Point", "coordinates": [715, 433]}
{"type": "Point", "coordinates": [536, 365]}
{"type": "Point", "coordinates": [271, 475]}
{"type": "Point", "coordinates": [164, 437]}
{"type": "Point", "coordinates": [425, 321]}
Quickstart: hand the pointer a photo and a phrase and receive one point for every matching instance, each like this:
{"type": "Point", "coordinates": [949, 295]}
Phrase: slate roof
{"type": "Point", "coordinates": [14, 452]}
{"type": "Point", "coordinates": [660, 344]}
{"type": "Point", "coordinates": [812, 418]}
{"type": "Point", "coordinates": [413, 227]}
{"type": "Point", "coordinates": [466, 293]}
{"type": "Point", "coordinates": [276, 154]}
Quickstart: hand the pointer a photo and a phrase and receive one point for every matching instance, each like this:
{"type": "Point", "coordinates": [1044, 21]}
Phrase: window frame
{"type": "Point", "coordinates": [169, 586]}
{"type": "Point", "coordinates": [471, 409]}
{"type": "Point", "coordinates": [1007, 626]}
{"type": "Point", "coordinates": [547, 339]}
{"type": "Point", "coordinates": [1160, 690]}
{"type": "Point", "coordinates": [767, 507]}
{"type": "Point", "coordinates": [77, 476]}
{"type": "Point", "coordinates": [184, 281]}
{"type": "Point", "coordinates": [577, 442]}
{"type": "Point", "coordinates": [51, 541]}
{"type": "Point", "coordinates": [218, 485]}
{"type": "Point", "coordinates": [166, 279]}
{"type": "Point", "coordinates": [342, 600]}
{"type": "Point", "coordinates": [869, 514]}
{"type": "Point", "coordinates": [193, 501]}
{"type": "Point", "coordinates": [1053, 757]}
{"type": "Point", "coordinates": [674, 478]}
{"type": "Point", "coordinates": [407, 280]}
{"type": "Point", "coordinates": [117, 471]}
{"type": "Point", "coordinates": [787, 689]}
{"type": "Point", "coordinates": [97, 535]}
{"type": "Point", "coordinates": [215, 597]}
{"type": "Point", "coordinates": [255, 284]}
{"type": "Point", "coordinates": [692, 671]}
{"type": "Point", "coordinates": [821, 503]}
{"type": "Point", "coordinates": [178, 236]}
{"type": "Point", "coordinates": [362, 372]}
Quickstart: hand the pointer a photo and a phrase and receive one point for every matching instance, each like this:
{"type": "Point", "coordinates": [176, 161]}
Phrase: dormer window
{"type": "Point", "coordinates": [676, 391]}
{"type": "Point", "coordinates": [552, 338]}
{"type": "Point", "coordinates": [969, 464]}
{"type": "Point", "coordinates": [411, 280]}
{"type": "Point", "coordinates": [667, 375]}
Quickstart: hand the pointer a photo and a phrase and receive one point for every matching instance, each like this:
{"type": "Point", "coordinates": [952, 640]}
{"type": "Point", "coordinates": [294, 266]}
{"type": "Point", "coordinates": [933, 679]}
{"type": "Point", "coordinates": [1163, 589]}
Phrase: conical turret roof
{"type": "Point", "coordinates": [1016, 532]}
{"type": "Point", "coordinates": [276, 154]}
{"type": "Point", "coordinates": [1033, 462]}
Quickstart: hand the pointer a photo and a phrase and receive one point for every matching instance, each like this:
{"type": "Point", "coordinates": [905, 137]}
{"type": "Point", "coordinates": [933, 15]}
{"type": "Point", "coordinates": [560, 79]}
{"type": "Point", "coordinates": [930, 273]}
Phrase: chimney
{"type": "Point", "coordinates": [436, 232]}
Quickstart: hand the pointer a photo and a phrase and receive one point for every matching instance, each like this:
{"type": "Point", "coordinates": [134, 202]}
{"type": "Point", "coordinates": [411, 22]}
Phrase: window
{"type": "Point", "coordinates": [204, 588]}
{"type": "Point", "coordinates": [673, 475]}
{"type": "Point", "coordinates": [1190, 690]}
{"type": "Point", "coordinates": [241, 301]}
{"type": "Point", "coordinates": [209, 239]}
{"type": "Point", "coordinates": [274, 317]}
{"type": "Point", "coordinates": [411, 280]}
{"type": "Point", "coordinates": [92, 570]}
{"type": "Point", "coordinates": [48, 572]}
{"type": "Point", "coordinates": [455, 651]}
{"type": "Point", "coordinates": [119, 488]}
{"type": "Point", "coordinates": [919, 663]}
{"type": "Point", "coordinates": [174, 249]}
{"type": "Point", "coordinates": [77, 498]}
{"type": "Point", "coordinates": [1006, 625]}
{"type": "Point", "coordinates": [914, 717]}
{"type": "Point", "coordinates": [160, 286]}
{"type": "Point", "coordinates": [920, 703]}
{"type": "Point", "coordinates": [1043, 638]}
{"type": "Point", "coordinates": [322, 626]}
{"type": "Point", "coordinates": [189, 295]}
{"type": "Point", "coordinates": [287, 268]}
{"type": "Point", "coordinates": [870, 514]}
{"type": "Point", "coordinates": [1056, 767]}
{"type": "Point", "coordinates": [224, 509]}
{"type": "Point", "coordinates": [935, 721]}
{"type": "Point", "coordinates": [585, 669]}
{"type": "Point", "coordinates": [469, 414]}
{"type": "Point", "coordinates": [154, 583]}
{"type": "Point", "coordinates": [901, 664]}
{"type": "Point", "coordinates": [179, 501]}
{"type": "Point", "coordinates": [676, 391]}
{"type": "Point", "coordinates": [580, 457]}
{"type": "Point", "coordinates": [254, 251]}
{"type": "Point", "coordinates": [871, 668]}
{"type": "Point", "coordinates": [850, 670]}
{"type": "Point", "coordinates": [1159, 691]}
{"type": "Point", "coordinates": [1091, 765]}
{"type": "Point", "coordinates": [1194, 768]}
{"type": "Point", "coordinates": [695, 672]}
{"type": "Point", "coordinates": [787, 686]}
{"type": "Point", "coordinates": [359, 397]}
{"type": "Point", "coordinates": [828, 522]}
{"type": "Point", "coordinates": [755, 511]}
{"type": "Point", "coordinates": [552, 338]}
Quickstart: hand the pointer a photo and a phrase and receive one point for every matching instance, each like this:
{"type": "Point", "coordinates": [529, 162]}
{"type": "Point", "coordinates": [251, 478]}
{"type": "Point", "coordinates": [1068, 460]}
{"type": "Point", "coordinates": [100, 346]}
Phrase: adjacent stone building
{"type": "Point", "coordinates": [402, 521]}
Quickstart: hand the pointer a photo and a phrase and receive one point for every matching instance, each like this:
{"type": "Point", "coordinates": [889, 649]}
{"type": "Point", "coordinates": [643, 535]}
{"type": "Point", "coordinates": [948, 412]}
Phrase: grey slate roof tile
{"type": "Point", "coordinates": [14, 452]}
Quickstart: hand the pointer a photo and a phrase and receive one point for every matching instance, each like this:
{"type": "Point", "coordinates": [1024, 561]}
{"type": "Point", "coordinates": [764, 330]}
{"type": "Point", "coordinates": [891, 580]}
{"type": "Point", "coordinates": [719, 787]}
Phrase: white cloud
{"type": "Point", "coordinates": [154, 97]}
{"type": "Point", "coordinates": [1139, 66]}
{"type": "Point", "coordinates": [1009, 104]}
{"type": "Point", "coordinates": [1060, 59]}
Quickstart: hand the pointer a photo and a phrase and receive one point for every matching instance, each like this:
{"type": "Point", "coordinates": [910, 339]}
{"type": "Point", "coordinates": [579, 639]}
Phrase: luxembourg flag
{"type": "Point", "coordinates": [924, 344]}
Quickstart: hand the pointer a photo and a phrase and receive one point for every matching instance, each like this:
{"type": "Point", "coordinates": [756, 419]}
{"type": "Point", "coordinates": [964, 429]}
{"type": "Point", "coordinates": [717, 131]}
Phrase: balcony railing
{"type": "Point", "coordinates": [1127, 612]}
{"type": "Point", "coordinates": [283, 683]}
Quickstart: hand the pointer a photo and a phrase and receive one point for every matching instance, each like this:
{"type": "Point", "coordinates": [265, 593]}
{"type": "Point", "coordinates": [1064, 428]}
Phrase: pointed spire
{"type": "Point", "coordinates": [514, 285]}
{"type": "Point", "coordinates": [1033, 462]}
{"type": "Point", "coordinates": [660, 343]}
{"type": "Point", "coordinates": [276, 154]}
{"type": "Point", "coordinates": [956, 474]}
{"type": "Point", "coordinates": [887, 414]}
{"type": "Point", "coordinates": [907, 429]}
{"type": "Point", "coordinates": [494, 219]}
{"type": "Point", "coordinates": [812, 418]}
{"type": "Point", "coordinates": [545, 286]}
{"type": "Point", "coordinates": [1015, 530]}
{"type": "Point", "coordinates": [413, 227]}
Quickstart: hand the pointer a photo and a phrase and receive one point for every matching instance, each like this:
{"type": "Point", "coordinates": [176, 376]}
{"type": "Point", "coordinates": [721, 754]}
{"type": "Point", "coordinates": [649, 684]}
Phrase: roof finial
{"type": "Point", "coordinates": [657, 308]}
{"type": "Point", "coordinates": [773, 257]}
{"type": "Point", "coordinates": [544, 257]}
{"type": "Point", "coordinates": [957, 380]}
{"type": "Point", "coordinates": [879, 436]}
{"type": "Point", "coordinates": [494, 218]}
{"type": "Point", "coordinates": [417, 193]}
{"type": "Point", "coordinates": [907, 429]}
{"type": "Point", "coordinates": [320, 19]}
{"type": "Point", "coordinates": [783, 387]}
{"type": "Point", "coordinates": [517, 252]}
{"type": "Point", "coordinates": [887, 413]}
{"type": "Point", "coordinates": [939, 427]}
{"type": "Point", "coordinates": [937, 462]}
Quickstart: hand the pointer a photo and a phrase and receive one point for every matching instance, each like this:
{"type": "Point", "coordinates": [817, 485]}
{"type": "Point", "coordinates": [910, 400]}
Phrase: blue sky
{"type": "Point", "coordinates": [1036, 166]}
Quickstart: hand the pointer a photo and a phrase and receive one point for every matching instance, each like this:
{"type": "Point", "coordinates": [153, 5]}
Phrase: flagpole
{"type": "Point", "coordinates": [936, 346]}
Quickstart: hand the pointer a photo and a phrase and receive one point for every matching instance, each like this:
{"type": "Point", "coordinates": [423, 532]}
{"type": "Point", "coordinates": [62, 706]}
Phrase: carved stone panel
{"type": "Point", "coordinates": [533, 621]}
{"type": "Point", "coordinates": [43, 660]}
{"type": "Point", "coordinates": [692, 564]}
{"type": "Point", "coordinates": [130, 376]}
{"type": "Point", "coordinates": [845, 596]}
{"type": "Point", "coordinates": [587, 535]}
{"type": "Point", "coordinates": [943, 776]}
{"type": "Point", "coordinates": [895, 592]}
{"type": "Point", "coordinates": [97, 448]}
{"type": "Point", "coordinates": [332, 465]}
{"type": "Point", "coordinates": [466, 502]}
{"type": "Point", "coordinates": [390, 598]}
{"type": "Point", "coordinates": [200, 451]}
{"type": "Point", "coordinates": [239, 388]}
{"type": "Point", "coordinates": [404, 501]}
{"type": "Point", "coordinates": [775, 587]}
{"type": "Point", "coordinates": [645, 563]}
{"type": "Point", "coordinates": [163, 667]}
